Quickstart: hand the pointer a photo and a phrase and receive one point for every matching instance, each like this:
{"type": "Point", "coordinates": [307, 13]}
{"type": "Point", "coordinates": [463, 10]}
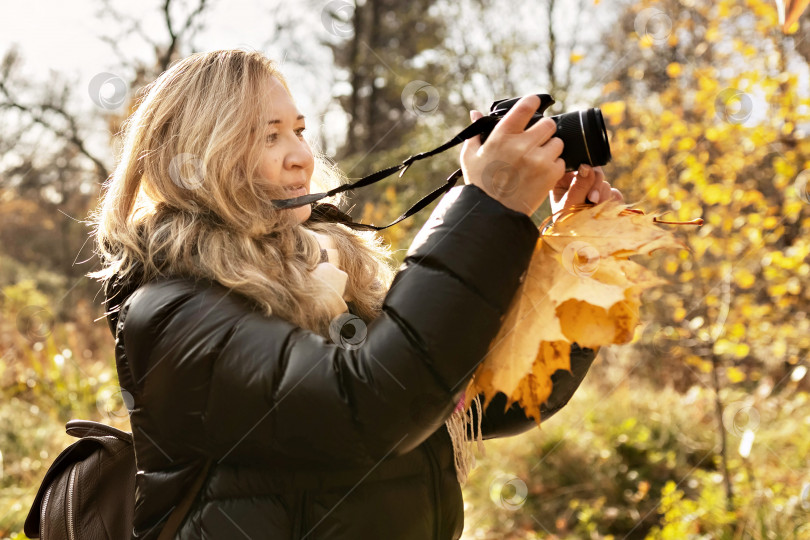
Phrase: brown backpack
{"type": "Point", "coordinates": [88, 492]}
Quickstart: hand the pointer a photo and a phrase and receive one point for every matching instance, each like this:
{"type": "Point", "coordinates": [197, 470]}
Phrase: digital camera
{"type": "Point", "coordinates": [582, 132]}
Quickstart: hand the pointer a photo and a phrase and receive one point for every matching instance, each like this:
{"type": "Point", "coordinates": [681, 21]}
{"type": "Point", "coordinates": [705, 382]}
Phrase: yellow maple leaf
{"type": "Point", "coordinates": [581, 288]}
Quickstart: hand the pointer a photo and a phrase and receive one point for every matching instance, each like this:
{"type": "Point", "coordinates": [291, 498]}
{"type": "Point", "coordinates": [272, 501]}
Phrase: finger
{"type": "Point", "coordinates": [616, 195]}
{"type": "Point", "coordinates": [555, 170]}
{"type": "Point", "coordinates": [553, 145]}
{"type": "Point", "coordinates": [599, 176]}
{"type": "Point", "coordinates": [562, 186]}
{"type": "Point", "coordinates": [518, 116]}
{"type": "Point", "coordinates": [581, 186]}
{"type": "Point", "coordinates": [559, 167]}
{"type": "Point", "coordinates": [543, 131]}
{"type": "Point", "coordinates": [600, 190]}
{"type": "Point", "coordinates": [604, 191]}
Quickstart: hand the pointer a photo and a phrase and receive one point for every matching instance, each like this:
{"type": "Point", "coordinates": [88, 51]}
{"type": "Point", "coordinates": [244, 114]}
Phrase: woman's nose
{"type": "Point", "coordinates": [300, 155]}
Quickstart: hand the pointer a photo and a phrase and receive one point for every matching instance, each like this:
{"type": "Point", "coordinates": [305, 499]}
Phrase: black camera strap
{"type": "Point", "coordinates": [329, 212]}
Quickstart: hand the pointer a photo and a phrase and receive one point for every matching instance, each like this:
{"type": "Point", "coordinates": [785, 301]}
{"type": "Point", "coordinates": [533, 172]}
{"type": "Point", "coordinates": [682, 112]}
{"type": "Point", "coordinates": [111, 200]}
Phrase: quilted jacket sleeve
{"type": "Point", "coordinates": [498, 421]}
{"type": "Point", "coordinates": [214, 377]}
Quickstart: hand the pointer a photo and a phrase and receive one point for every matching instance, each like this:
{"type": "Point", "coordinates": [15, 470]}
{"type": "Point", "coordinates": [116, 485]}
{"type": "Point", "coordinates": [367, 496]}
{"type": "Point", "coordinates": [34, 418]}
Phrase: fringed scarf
{"type": "Point", "coordinates": [461, 422]}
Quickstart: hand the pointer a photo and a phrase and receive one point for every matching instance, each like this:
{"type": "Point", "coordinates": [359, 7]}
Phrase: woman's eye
{"type": "Point", "coordinates": [273, 137]}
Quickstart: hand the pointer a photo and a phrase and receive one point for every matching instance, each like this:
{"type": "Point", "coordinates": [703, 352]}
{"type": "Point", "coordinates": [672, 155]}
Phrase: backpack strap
{"type": "Point", "coordinates": [180, 511]}
{"type": "Point", "coordinates": [88, 428]}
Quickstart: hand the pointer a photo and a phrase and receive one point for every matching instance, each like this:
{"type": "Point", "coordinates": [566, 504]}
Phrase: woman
{"type": "Point", "coordinates": [221, 308]}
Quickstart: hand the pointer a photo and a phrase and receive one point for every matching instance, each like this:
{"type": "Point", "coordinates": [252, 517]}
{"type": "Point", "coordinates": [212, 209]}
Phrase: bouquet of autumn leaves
{"type": "Point", "coordinates": [580, 287]}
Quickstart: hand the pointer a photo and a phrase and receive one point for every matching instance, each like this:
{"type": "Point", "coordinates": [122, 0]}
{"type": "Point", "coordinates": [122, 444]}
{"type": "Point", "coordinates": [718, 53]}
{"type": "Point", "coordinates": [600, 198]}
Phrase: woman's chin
{"type": "Point", "coordinates": [302, 213]}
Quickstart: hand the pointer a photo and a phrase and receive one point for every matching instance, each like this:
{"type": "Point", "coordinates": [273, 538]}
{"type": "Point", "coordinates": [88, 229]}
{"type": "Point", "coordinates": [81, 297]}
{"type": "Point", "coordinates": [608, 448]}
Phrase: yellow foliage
{"type": "Point", "coordinates": [735, 375]}
{"type": "Point", "coordinates": [685, 144]}
{"type": "Point", "coordinates": [744, 278]}
{"type": "Point", "coordinates": [770, 222]}
{"type": "Point", "coordinates": [671, 267]}
{"type": "Point", "coordinates": [741, 350]}
{"type": "Point", "coordinates": [674, 69]}
{"type": "Point", "coordinates": [716, 194]}
{"type": "Point", "coordinates": [613, 111]}
{"type": "Point", "coordinates": [736, 331]}
{"type": "Point", "coordinates": [612, 86]}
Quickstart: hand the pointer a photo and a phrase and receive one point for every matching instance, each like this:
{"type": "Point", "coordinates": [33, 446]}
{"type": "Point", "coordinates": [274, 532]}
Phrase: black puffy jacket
{"type": "Point", "coordinates": [310, 440]}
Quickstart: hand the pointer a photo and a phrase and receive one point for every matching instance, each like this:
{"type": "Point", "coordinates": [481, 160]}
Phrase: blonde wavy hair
{"type": "Point", "coordinates": [186, 198]}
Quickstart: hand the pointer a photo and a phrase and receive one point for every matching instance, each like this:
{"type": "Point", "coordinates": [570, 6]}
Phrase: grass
{"type": "Point", "coordinates": [630, 459]}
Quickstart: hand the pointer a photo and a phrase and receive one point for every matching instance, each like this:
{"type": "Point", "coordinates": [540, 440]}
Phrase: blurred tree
{"type": "Point", "coordinates": [53, 166]}
{"type": "Point", "coordinates": [389, 48]}
{"type": "Point", "coordinates": [709, 119]}
{"type": "Point", "coordinates": [181, 24]}
{"type": "Point", "coordinates": [47, 174]}
{"type": "Point", "coordinates": [412, 74]}
{"type": "Point", "coordinates": [727, 144]}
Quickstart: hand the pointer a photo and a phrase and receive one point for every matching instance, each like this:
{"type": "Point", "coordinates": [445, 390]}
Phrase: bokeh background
{"type": "Point", "coordinates": [699, 428]}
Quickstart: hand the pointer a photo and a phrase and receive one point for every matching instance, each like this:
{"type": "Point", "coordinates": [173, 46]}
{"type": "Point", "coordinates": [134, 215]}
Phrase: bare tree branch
{"type": "Point", "coordinates": [37, 114]}
{"type": "Point", "coordinates": [573, 45]}
{"type": "Point", "coordinates": [552, 48]}
{"type": "Point", "coordinates": [176, 37]}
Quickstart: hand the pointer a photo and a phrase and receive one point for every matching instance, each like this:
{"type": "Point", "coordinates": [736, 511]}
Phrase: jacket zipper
{"type": "Point", "coordinates": [42, 520]}
{"type": "Point", "coordinates": [71, 482]}
{"type": "Point", "coordinates": [434, 477]}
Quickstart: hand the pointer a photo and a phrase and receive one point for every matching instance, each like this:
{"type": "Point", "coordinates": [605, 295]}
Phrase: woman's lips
{"type": "Point", "coordinates": [296, 191]}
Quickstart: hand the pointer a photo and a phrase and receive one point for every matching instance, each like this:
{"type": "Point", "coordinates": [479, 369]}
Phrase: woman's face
{"type": "Point", "coordinates": [286, 159]}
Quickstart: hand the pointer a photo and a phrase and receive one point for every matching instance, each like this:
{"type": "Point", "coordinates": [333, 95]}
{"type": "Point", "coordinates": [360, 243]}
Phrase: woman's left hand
{"type": "Point", "coordinates": [586, 184]}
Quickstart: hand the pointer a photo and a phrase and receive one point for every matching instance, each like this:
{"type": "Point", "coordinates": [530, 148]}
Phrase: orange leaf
{"type": "Point", "coordinates": [579, 288]}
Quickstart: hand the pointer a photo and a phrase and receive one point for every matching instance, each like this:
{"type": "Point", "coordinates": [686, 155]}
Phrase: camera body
{"type": "Point", "coordinates": [583, 132]}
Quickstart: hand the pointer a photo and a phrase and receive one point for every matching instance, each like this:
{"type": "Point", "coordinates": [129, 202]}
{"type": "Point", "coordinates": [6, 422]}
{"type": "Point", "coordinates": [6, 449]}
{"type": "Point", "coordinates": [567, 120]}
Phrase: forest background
{"type": "Point", "coordinates": [700, 428]}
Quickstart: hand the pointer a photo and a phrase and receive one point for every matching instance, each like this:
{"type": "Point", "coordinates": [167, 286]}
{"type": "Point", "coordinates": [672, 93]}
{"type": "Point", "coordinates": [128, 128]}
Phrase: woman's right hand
{"type": "Point", "coordinates": [515, 166]}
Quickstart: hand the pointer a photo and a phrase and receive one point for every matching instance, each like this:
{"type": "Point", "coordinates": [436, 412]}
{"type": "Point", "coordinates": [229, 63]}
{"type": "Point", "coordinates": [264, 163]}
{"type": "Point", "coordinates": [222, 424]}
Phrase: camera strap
{"type": "Point", "coordinates": [329, 212]}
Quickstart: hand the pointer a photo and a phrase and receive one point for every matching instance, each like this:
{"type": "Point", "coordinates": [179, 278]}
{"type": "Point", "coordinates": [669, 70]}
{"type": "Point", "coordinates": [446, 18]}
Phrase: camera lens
{"type": "Point", "coordinates": [585, 138]}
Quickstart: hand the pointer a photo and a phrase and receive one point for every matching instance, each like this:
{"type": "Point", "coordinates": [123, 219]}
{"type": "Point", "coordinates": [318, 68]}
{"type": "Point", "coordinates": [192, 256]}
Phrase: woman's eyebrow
{"type": "Point", "coordinates": [300, 117]}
